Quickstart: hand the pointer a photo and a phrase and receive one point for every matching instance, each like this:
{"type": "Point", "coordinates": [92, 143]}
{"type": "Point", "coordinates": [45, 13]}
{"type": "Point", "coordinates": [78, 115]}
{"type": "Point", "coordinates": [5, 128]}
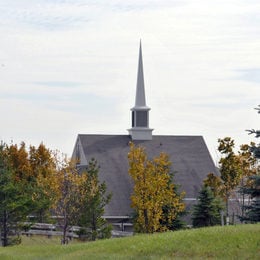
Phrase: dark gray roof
{"type": "Point", "coordinates": [189, 155]}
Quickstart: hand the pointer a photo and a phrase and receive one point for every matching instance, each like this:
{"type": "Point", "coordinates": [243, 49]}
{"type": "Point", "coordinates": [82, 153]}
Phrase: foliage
{"type": "Point", "coordinates": [153, 191]}
{"type": "Point", "coordinates": [177, 223]}
{"type": "Point", "coordinates": [33, 183]}
{"type": "Point", "coordinates": [94, 201]}
{"type": "Point", "coordinates": [214, 183]}
{"type": "Point", "coordinates": [230, 169]}
{"type": "Point", "coordinates": [230, 242]}
{"type": "Point", "coordinates": [257, 134]}
{"type": "Point", "coordinates": [18, 159]}
{"type": "Point", "coordinates": [43, 167]}
{"type": "Point", "coordinates": [70, 197]}
{"type": "Point", "coordinates": [207, 211]}
{"type": "Point", "coordinates": [249, 168]}
{"type": "Point", "coordinates": [35, 169]}
{"type": "Point", "coordinates": [15, 200]}
{"type": "Point", "coordinates": [252, 211]}
{"type": "Point", "coordinates": [247, 160]}
{"type": "Point", "coordinates": [235, 170]}
{"type": "Point", "coordinates": [174, 224]}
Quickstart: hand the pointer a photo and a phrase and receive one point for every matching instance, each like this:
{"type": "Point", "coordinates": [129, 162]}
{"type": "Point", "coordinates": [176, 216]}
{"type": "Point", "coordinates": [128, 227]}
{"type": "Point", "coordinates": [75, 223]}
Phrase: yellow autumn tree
{"type": "Point", "coordinates": [18, 157]}
{"type": "Point", "coordinates": [43, 168]}
{"type": "Point", "coordinates": [153, 191]}
{"type": "Point", "coordinates": [36, 171]}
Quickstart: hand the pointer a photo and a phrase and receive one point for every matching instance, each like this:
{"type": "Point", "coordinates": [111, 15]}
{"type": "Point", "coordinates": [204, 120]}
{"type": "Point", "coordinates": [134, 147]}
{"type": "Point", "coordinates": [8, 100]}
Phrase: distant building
{"type": "Point", "coordinates": [191, 160]}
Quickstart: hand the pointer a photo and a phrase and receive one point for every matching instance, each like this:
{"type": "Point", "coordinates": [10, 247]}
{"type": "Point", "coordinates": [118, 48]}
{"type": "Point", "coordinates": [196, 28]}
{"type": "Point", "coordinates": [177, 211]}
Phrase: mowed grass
{"type": "Point", "coordinates": [232, 242]}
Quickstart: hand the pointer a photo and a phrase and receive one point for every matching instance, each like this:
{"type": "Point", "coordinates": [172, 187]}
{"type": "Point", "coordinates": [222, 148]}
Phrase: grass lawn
{"type": "Point", "coordinates": [232, 242]}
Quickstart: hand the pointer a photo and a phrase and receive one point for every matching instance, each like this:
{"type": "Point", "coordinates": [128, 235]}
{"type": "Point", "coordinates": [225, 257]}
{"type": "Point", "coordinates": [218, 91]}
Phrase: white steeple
{"type": "Point", "coordinates": [140, 112]}
{"type": "Point", "coordinates": [140, 92]}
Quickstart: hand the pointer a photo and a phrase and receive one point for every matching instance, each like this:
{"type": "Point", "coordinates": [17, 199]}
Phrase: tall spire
{"type": "Point", "coordinates": [140, 92]}
{"type": "Point", "coordinates": [140, 112]}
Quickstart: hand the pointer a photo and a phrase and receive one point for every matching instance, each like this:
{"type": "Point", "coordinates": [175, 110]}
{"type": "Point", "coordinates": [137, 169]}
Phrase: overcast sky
{"type": "Point", "coordinates": [70, 67]}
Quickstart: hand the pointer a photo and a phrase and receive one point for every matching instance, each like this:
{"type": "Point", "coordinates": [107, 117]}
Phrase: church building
{"type": "Point", "coordinates": [189, 155]}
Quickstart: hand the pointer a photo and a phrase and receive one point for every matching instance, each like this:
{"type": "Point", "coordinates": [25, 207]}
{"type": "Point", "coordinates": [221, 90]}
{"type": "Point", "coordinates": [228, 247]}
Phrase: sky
{"type": "Point", "coordinates": [69, 67]}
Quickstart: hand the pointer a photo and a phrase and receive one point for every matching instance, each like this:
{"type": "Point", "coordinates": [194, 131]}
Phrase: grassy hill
{"type": "Point", "coordinates": [232, 242]}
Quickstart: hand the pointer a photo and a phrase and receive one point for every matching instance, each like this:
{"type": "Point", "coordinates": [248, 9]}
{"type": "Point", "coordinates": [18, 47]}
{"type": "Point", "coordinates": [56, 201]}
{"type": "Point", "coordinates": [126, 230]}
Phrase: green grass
{"type": "Point", "coordinates": [232, 242]}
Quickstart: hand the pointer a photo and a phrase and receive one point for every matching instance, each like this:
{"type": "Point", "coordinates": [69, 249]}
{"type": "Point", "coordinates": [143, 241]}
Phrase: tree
{"type": "Point", "coordinates": [18, 158]}
{"type": "Point", "coordinates": [153, 191]}
{"type": "Point", "coordinates": [255, 149]}
{"type": "Point", "coordinates": [15, 200]}
{"type": "Point", "coordinates": [43, 169]}
{"type": "Point", "coordinates": [169, 223]}
{"type": "Point", "coordinates": [215, 184]}
{"type": "Point", "coordinates": [94, 201]}
{"type": "Point", "coordinates": [207, 211]}
{"type": "Point", "coordinates": [70, 197]}
{"type": "Point", "coordinates": [248, 166]}
{"type": "Point", "coordinates": [230, 170]}
{"type": "Point", "coordinates": [235, 170]}
{"type": "Point", "coordinates": [252, 211]}
{"type": "Point", "coordinates": [36, 169]}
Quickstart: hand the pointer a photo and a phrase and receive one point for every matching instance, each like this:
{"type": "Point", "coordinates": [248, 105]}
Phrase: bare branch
{"type": "Point", "coordinates": [252, 131]}
{"type": "Point", "coordinates": [258, 108]}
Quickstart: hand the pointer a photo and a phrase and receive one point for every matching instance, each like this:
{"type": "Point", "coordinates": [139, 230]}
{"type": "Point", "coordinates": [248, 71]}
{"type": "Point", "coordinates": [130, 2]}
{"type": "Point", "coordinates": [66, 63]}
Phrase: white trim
{"type": "Point", "coordinates": [190, 199]}
{"type": "Point", "coordinates": [116, 217]}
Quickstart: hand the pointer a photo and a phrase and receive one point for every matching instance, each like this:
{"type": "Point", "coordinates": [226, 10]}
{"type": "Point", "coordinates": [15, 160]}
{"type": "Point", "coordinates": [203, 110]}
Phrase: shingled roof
{"type": "Point", "coordinates": [189, 155]}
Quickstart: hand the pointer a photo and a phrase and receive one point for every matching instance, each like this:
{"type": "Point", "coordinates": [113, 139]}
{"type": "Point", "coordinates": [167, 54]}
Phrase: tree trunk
{"type": "Point", "coordinates": [65, 227]}
{"type": "Point", "coordinates": [243, 201]}
{"type": "Point", "coordinates": [227, 205]}
{"type": "Point", "coordinates": [146, 221]}
{"type": "Point", "coordinates": [5, 229]}
{"type": "Point", "coordinates": [94, 228]}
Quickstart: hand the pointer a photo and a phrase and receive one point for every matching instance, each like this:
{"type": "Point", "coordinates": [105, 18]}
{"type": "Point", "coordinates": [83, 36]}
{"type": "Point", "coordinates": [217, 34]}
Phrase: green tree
{"type": "Point", "coordinates": [94, 201]}
{"type": "Point", "coordinates": [15, 200]}
{"type": "Point", "coordinates": [255, 148]}
{"type": "Point", "coordinates": [177, 222]}
{"type": "Point", "coordinates": [252, 211]}
{"type": "Point", "coordinates": [207, 211]}
{"type": "Point", "coordinates": [154, 197]}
